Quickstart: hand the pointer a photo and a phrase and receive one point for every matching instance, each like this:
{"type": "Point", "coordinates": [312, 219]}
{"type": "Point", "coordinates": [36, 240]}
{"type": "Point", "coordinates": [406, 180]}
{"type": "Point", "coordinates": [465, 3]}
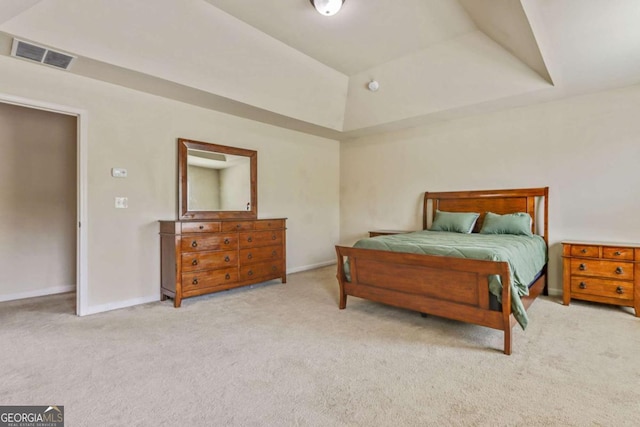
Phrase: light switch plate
{"type": "Point", "coordinates": [118, 172]}
{"type": "Point", "coordinates": [122, 202]}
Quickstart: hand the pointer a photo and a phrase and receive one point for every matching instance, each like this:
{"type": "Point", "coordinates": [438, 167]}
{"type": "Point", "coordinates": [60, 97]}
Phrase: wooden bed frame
{"type": "Point", "coordinates": [455, 288]}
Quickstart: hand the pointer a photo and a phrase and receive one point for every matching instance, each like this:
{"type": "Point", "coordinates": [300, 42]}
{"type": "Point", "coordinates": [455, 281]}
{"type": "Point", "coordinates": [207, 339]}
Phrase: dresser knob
{"type": "Point", "coordinates": [194, 244]}
{"type": "Point", "coordinates": [227, 276]}
{"type": "Point", "coordinates": [250, 239]}
{"type": "Point", "coordinates": [617, 253]}
{"type": "Point", "coordinates": [201, 227]}
{"type": "Point", "coordinates": [582, 267]}
{"type": "Point", "coordinates": [619, 270]}
{"type": "Point", "coordinates": [273, 237]}
{"type": "Point", "coordinates": [195, 281]}
{"type": "Point", "coordinates": [274, 268]}
{"type": "Point", "coordinates": [583, 285]}
{"type": "Point", "coordinates": [584, 251]}
{"type": "Point", "coordinates": [249, 256]}
{"type": "Point", "coordinates": [194, 262]}
{"type": "Point", "coordinates": [226, 241]}
{"type": "Point", "coordinates": [238, 226]}
{"type": "Point", "coordinates": [274, 253]}
{"type": "Point", "coordinates": [250, 273]}
{"type": "Point", "coordinates": [620, 290]}
{"type": "Point", "coordinates": [227, 259]}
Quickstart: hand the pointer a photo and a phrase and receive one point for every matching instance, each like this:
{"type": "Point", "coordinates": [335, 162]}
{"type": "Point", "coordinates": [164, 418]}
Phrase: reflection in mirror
{"type": "Point", "coordinates": [217, 181]}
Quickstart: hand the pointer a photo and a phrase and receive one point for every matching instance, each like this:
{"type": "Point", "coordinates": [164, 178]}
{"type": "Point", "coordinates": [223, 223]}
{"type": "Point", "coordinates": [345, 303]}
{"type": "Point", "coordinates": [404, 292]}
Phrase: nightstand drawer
{"type": "Point", "coordinates": [594, 268]}
{"type": "Point", "coordinates": [617, 253]}
{"type": "Point", "coordinates": [602, 287]}
{"type": "Point", "coordinates": [585, 251]}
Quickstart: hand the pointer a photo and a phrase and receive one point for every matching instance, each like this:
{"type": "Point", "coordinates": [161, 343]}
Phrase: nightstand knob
{"type": "Point", "coordinates": [620, 290]}
{"type": "Point", "coordinates": [617, 253]}
{"type": "Point", "coordinates": [619, 270]}
{"type": "Point", "coordinates": [582, 267]}
{"type": "Point", "coordinates": [583, 285]}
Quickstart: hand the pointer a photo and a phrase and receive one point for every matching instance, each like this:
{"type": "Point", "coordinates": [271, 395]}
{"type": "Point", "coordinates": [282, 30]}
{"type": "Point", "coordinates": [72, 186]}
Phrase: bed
{"type": "Point", "coordinates": [450, 286]}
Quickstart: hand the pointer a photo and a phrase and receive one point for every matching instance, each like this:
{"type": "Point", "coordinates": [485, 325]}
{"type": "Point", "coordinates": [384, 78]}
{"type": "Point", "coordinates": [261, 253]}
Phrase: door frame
{"type": "Point", "coordinates": [82, 267]}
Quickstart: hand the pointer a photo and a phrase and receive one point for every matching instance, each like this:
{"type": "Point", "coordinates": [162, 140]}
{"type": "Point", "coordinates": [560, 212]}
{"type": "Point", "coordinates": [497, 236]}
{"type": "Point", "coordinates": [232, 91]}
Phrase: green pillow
{"type": "Point", "coordinates": [459, 222]}
{"type": "Point", "coordinates": [516, 223]}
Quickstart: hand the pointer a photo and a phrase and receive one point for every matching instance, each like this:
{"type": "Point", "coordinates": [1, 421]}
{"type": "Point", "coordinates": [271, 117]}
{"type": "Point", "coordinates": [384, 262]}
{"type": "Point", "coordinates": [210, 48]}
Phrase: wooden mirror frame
{"type": "Point", "coordinates": [183, 207]}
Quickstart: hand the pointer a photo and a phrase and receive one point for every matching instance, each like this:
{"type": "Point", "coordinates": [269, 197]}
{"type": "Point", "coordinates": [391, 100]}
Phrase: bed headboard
{"type": "Point", "coordinates": [497, 201]}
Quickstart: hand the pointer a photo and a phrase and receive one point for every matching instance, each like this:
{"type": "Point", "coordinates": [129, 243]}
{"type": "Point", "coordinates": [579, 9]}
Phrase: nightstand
{"type": "Point", "coordinates": [601, 272]}
{"type": "Point", "coordinates": [375, 233]}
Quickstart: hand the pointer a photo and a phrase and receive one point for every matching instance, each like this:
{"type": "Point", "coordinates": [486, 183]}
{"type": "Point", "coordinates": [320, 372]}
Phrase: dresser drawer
{"type": "Point", "coordinates": [610, 252]}
{"type": "Point", "coordinates": [237, 225]}
{"type": "Point", "coordinates": [200, 227]}
{"type": "Point", "coordinates": [196, 261]}
{"type": "Point", "coordinates": [602, 287]}
{"type": "Point", "coordinates": [209, 278]}
{"type": "Point", "coordinates": [596, 268]}
{"type": "Point", "coordinates": [209, 242]}
{"type": "Point", "coordinates": [260, 238]}
{"type": "Point", "coordinates": [260, 270]}
{"type": "Point", "coordinates": [269, 224]}
{"type": "Point", "coordinates": [264, 253]}
{"type": "Point", "coordinates": [585, 251]}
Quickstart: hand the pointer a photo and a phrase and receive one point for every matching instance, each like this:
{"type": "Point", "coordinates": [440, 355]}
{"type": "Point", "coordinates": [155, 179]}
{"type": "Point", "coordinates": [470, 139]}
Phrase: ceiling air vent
{"type": "Point", "coordinates": [43, 55]}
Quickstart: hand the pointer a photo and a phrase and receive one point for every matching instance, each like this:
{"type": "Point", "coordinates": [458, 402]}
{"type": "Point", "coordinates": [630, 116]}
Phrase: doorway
{"type": "Point", "coordinates": [42, 203]}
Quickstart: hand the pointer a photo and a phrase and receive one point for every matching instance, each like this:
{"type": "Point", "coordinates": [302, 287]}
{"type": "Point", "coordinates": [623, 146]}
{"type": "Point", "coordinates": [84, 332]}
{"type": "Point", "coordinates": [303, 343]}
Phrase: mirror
{"type": "Point", "coordinates": [216, 181]}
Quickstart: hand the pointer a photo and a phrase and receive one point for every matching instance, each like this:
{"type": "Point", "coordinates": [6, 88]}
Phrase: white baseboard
{"type": "Point", "coordinates": [38, 293]}
{"type": "Point", "coordinates": [553, 292]}
{"type": "Point", "coordinates": [310, 267]}
{"type": "Point", "coordinates": [120, 304]}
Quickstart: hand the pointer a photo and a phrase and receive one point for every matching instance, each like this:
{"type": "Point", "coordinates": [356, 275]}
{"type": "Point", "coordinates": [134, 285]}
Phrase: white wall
{"type": "Point", "coordinates": [297, 176]}
{"type": "Point", "coordinates": [586, 149]}
{"type": "Point", "coordinates": [37, 202]}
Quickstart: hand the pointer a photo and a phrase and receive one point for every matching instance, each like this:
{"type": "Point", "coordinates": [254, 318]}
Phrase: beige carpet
{"type": "Point", "coordinates": [275, 354]}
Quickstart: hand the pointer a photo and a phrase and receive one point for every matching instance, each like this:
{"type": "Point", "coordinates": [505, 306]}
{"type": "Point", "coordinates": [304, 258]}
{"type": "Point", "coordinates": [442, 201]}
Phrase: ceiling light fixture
{"type": "Point", "coordinates": [327, 7]}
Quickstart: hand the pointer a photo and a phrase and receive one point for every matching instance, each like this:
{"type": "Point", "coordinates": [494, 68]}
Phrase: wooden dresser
{"type": "Point", "coordinates": [602, 272]}
{"type": "Point", "coordinates": [200, 257]}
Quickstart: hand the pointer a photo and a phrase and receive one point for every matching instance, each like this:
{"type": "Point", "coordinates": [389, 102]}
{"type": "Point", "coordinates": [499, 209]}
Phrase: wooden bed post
{"type": "Point", "coordinates": [340, 276]}
{"type": "Point", "coordinates": [506, 307]}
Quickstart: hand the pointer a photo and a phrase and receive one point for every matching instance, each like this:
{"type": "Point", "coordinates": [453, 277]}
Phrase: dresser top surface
{"type": "Point", "coordinates": [221, 220]}
{"type": "Point", "coordinates": [601, 243]}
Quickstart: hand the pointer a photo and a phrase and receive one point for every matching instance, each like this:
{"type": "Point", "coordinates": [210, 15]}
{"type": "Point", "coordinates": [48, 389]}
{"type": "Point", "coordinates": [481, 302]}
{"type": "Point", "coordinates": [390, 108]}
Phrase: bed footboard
{"type": "Point", "coordinates": [455, 288]}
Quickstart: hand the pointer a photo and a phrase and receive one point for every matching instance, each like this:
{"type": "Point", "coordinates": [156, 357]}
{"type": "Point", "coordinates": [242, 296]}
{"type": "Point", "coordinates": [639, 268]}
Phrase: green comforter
{"type": "Point", "coordinates": [526, 256]}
